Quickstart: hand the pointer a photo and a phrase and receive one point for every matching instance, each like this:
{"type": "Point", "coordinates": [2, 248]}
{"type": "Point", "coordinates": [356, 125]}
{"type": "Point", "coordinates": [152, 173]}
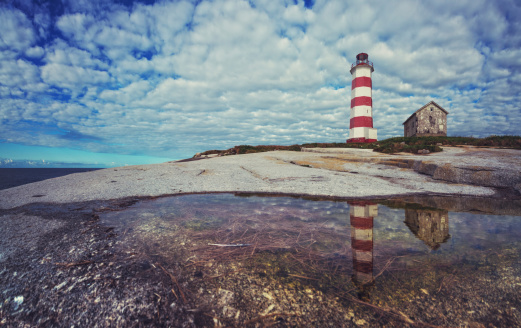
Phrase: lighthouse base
{"type": "Point", "coordinates": [354, 140]}
{"type": "Point", "coordinates": [362, 135]}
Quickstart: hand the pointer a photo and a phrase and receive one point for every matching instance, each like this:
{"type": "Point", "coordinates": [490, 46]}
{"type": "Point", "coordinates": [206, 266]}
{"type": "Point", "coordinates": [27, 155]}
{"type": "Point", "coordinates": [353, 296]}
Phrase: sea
{"type": "Point", "coordinates": [13, 177]}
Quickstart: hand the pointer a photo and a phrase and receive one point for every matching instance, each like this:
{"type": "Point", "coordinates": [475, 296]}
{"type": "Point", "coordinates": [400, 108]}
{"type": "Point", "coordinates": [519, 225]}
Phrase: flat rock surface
{"type": "Point", "coordinates": [349, 173]}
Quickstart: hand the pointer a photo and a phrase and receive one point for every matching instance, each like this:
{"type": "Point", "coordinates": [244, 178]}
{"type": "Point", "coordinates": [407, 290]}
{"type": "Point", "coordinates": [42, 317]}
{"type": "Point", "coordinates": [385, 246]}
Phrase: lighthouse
{"type": "Point", "coordinates": [361, 119]}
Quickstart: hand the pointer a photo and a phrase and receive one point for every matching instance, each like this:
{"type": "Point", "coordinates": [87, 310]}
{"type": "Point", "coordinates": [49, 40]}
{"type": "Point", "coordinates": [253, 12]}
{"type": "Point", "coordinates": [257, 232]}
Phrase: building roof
{"type": "Point", "coordinates": [427, 105]}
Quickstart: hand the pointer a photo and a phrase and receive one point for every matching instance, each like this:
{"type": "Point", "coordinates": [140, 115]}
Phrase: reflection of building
{"type": "Point", "coordinates": [361, 215]}
{"type": "Point", "coordinates": [431, 226]}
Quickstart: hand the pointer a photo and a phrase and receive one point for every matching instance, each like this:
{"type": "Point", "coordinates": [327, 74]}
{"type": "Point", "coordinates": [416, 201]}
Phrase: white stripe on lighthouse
{"type": "Point", "coordinates": [362, 132]}
{"type": "Point", "coordinates": [361, 92]}
{"type": "Point", "coordinates": [362, 71]}
{"type": "Point", "coordinates": [361, 111]}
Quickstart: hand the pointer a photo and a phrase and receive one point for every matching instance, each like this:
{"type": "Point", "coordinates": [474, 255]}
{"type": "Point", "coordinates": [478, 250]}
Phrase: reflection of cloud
{"type": "Point", "coordinates": [431, 226]}
{"type": "Point", "coordinates": [185, 77]}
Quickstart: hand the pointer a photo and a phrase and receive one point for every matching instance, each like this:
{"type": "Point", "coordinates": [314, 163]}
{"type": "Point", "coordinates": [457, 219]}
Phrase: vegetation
{"type": "Point", "coordinates": [390, 146]}
{"type": "Point", "coordinates": [432, 144]}
{"type": "Point", "coordinates": [245, 149]}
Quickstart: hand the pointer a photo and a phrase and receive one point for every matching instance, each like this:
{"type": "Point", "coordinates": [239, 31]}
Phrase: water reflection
{"type": "Point", "coordinates": [431, 226]}
{"type": "Point", "coordinates": [319, 255]}
{"type": "Point", "coordinates": [361, 216]}
{"type": "Point", "coordinates": [427, 224]}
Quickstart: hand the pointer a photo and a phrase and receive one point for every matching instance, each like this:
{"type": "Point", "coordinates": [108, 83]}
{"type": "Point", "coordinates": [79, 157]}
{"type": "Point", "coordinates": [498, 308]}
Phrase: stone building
{"type": "Point", "coordinates": [430, 120]}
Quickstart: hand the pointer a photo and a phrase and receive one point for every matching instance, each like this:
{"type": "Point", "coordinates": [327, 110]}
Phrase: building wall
{"type": "Point", "coordinates": [430, 121]}
{"type": "Point", "coordinates": [409, 128]}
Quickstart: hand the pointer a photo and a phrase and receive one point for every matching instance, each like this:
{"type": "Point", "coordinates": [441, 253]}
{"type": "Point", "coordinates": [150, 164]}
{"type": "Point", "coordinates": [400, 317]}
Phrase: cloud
{"type": "Point", "coordinates": [35, 52]}
{"type": "Point", "coordinates": [17, 32]}
{"type": "Point", "coordinates": [170, 78]}
{"type": "Point", "coordinates": [61, 53]}
{"type": "Point", "coordinates": [72, 76]}
{"type": "Point", "coordinates": [19, 78]}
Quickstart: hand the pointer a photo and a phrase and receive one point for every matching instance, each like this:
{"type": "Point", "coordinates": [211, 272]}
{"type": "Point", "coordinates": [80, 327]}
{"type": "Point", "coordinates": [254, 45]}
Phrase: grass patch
{"type": "Point", "coordinates": [389, 146]}
{"type": "Point", "coordinates": [433, 144]}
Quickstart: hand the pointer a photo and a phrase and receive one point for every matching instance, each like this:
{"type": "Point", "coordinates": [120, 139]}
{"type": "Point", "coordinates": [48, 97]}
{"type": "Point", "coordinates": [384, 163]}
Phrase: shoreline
{"type": "Point", "coordinates": [343, 173]}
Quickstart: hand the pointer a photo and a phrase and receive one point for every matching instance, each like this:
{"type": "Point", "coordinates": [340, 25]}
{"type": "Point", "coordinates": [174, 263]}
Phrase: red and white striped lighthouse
{"type": "Point", "coordinates": [361, 215]}
{"type": "Point", "coordinates": [361, 122]}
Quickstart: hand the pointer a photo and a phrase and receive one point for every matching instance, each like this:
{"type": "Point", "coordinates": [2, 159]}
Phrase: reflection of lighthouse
{"type": "Point", "coordinates": [361, 122]}
{"type": "Point", "coordinates": [361, 215]}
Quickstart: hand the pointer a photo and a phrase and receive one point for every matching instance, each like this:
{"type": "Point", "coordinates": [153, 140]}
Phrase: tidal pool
{"type": "Point", "coordinates": [249, 260]}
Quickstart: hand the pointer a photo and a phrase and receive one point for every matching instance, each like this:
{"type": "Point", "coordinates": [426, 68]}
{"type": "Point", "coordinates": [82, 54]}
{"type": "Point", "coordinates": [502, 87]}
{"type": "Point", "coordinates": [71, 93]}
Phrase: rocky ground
{"type": "Point", "coordinates": [66, 265]}
{"type": "Point", "coordinates": [60, 265]}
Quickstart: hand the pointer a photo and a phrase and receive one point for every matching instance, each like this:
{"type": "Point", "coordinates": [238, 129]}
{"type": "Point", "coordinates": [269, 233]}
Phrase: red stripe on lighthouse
{"type": "Point", "coordinates": [362, 81]}
{"type": "Point", "coordinates": [362, 203]}
{"type": "Point", "coordinates": [361, 121]}
{"type": "Point", "coordinates": [361, 101]}
{"type": "Point", "coordinates": [362, 245]}
{"type": "Point", "coordinates": [361, 223]}
{"type": "Point", "coordinates": [361, 140]}
{"type": "Point", "coordinates": [363, 267]}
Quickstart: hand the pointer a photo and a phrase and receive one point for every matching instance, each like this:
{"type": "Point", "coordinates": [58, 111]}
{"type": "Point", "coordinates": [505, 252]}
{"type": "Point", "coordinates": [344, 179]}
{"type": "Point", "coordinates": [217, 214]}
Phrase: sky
{"type": "Point", "coordinates": [117, 82]}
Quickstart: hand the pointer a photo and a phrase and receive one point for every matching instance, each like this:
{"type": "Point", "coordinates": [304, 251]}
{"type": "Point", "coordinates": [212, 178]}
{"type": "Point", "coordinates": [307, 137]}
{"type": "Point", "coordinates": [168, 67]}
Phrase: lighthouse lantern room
{"type": "Point", "coordinates": [361, 119]}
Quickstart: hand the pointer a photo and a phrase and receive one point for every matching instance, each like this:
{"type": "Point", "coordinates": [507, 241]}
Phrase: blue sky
{"type": "Point", "coordinates": [111, 83]}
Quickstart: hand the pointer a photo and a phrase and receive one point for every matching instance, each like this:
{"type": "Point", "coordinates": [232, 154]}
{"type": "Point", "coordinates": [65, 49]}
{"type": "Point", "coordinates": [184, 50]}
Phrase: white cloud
{"type": "Point", "coordinates": [16, 33]}
{"type": "Point", "coordinates": [61, 53]}
{"type": "Point", "coordinates": [128, 94]}
{"type": "Point", "coordinates": [35, 52]}
{"type": "Point", "coordinates": [174, 77]}
{"type": "Point", "coordinates": [72, 77]}
{"type": "Point", "coordinates": [19, 77]}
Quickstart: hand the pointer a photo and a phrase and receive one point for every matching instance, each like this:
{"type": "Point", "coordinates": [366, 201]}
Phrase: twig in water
{"type": "Point", "coordinates": [397, 314]}
{"type": "Point", "coordinates": [389, 262]}
{"type": "Point", "coordinates": [242, 234]}
{"type": "Point", "coordinates": [68, 265]}
{"type": "Point", "coordinates": [262, 317]}
{"type": "Point", "coordinates": [303, 277]}
{"type": "Point", "coordinates": [217, 318]}
{"type": "Point", "coordinates": [174, 280]}
{"type": "Point", "coordinates": [449, 280]}
{"type": "Point", "coordinates": [230, 245]}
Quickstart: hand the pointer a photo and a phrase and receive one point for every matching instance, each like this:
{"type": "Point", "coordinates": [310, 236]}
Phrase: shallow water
{"type": "Point", "coordinates": [292, 261]}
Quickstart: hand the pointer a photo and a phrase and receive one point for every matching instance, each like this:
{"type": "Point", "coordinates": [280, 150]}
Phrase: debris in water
{"type": "Point", "coordinates": [230, 245]}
